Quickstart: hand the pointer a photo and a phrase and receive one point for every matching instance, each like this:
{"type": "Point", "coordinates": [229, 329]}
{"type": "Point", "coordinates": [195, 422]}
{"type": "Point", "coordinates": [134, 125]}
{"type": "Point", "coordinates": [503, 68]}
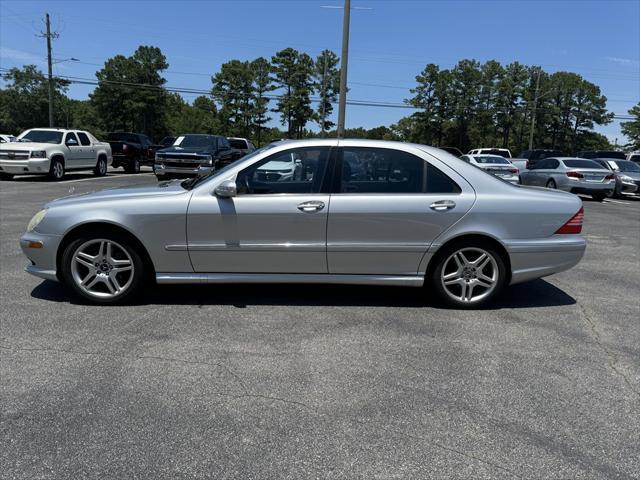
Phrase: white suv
{"type": "Point", "coordinates": [503, 152]}
{"type": "Point", "coordinates": [52, 152]}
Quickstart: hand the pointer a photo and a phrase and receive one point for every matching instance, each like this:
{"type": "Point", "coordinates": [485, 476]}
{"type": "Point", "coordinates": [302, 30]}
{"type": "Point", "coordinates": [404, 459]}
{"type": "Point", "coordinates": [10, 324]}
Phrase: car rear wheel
{"type": "Point", "coordinates": [133, 167]}
{"type": "Point", "coordinates": [552, 184]}
{"type": "Point", "coordinates": [104, 269]}
{"type": "Point", "coordinates": [468, 275]}
{"type": "Point", "coordinates": [56, 171]}
{"type": "Point", "coordinates": [101, 167]}
{"type": "Point", "coordinates": [599, 197]}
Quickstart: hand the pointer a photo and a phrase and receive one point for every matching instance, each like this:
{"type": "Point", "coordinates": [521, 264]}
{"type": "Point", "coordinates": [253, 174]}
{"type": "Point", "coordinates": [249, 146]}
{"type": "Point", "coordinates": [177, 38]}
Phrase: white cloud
{"type": "Point", "coordinates": [20, 55]}
{"type": "Point", "coordinates": [627, 62]}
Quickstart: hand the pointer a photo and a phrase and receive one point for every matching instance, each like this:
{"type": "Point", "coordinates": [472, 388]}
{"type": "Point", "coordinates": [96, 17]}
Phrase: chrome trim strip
{"type": "Point", "coordinates": [186, 278]}
{"type": "Point", "coordinates": [175, 248]}
{"type": "Point", "coordinates": [377, 247]}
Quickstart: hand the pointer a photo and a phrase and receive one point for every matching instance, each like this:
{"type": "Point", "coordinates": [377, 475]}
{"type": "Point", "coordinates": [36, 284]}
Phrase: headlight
{"type": "Point", "coordinates": [37, 218]}
{"type": "Point", "coordinates": [39, 154]}
{"type": "Point", "coordinates": [626, 178]}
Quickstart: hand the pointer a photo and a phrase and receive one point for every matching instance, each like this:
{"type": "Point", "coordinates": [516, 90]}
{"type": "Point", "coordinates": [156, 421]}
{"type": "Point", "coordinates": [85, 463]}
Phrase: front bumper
{"type": "Point", "coordinates": [30, 166]}
{"type": "Point", "coordinates": [43, 260]}
{"type": "Point", "coordinates": [535, 258]}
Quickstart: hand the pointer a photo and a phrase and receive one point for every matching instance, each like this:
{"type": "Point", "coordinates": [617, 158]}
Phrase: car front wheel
{"type": "Point", "coordinates": [56, 171]}
{"type": "Point", "coordinates": [103, 269]}
{"type": "Point", "coordinates": [468, 275]}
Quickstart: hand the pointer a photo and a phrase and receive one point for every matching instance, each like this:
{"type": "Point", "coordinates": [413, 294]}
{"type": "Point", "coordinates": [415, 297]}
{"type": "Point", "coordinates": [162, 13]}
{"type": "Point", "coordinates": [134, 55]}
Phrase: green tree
{"type": "Point", "coordinates": [24, 102]}
{"type": "Point", "coordinates": [293, 74]}
{"type": "Point", "coordinates": [632, 128]}
{"type": "Point", "coordinates": [233, 90]}
{"type": "Point", "coordinates": [262, 85]}
{"type": "Point", "coordinates": [327, 83]}
{"type": "Point", "coordinates": [130, 94]}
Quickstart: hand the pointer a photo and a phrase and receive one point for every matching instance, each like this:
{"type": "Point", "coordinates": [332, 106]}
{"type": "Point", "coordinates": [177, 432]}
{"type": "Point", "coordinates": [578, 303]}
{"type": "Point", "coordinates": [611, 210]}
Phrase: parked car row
{"type": "Point", "coordinates": [55, 151]}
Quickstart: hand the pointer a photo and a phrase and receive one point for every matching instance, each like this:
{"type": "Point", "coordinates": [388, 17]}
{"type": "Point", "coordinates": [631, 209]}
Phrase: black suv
{"type": "Point", "coordinates": [533, 156]}
{"type": "Point", "coordinates": [602, 154]}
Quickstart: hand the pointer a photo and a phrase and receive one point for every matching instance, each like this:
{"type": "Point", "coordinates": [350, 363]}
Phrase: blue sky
{"type": "Point", "coordinates": [391, 41]}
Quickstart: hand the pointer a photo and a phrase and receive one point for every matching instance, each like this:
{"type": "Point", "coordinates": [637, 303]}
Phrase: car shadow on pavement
{"type": "Point", "coordinates": [537, 293]}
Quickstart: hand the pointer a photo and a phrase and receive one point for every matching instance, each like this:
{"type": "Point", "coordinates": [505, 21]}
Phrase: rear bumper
{"type": "Point", "coordinates": [531, 259]}
{"type": "Point", "coordinates": [31, 166]}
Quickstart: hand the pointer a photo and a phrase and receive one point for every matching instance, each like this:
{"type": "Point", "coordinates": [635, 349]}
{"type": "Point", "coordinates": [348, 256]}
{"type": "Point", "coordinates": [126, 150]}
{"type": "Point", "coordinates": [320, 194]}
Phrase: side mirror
{"type": "Point", "coordinates": [71, 142]}
{"type": "Point", "coordinates": [226, 189]}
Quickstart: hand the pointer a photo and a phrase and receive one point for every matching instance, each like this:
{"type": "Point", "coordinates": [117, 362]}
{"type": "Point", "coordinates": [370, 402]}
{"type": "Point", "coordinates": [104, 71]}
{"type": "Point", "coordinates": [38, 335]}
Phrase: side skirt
{"type": "Point", "coordinates": [399, 280]}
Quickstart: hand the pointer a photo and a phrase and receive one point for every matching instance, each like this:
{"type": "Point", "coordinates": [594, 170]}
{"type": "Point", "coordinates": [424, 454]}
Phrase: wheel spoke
{"type": "Point", "coordinates": [483, 283]}
{"type": "Point", "coordinates": [107, 253]}
{"type": "Point", "coordinates": [463, 291]}
{"type": "Point", "coordinates": [465, 261]}
{"type": "Point", "coordinates": [82, 261]}
{"type": "Point", "coordinates": [454, 281]}
{"type": "Point", "coordinates": [95, 280]}
{"type": "Point", "coordinates": [470, 287]}
{"type": "Point", "coordinates": [110, 286]}
{"type": "Point", "coordinates": [123, 268]}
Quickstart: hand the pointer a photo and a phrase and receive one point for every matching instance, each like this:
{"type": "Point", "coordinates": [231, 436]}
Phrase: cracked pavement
{"type": "Point", "coordinates": [287, 381]}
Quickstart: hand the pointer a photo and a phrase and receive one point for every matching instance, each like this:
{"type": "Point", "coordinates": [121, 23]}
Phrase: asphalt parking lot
{"type": "Point", "coordinates": [299, 381]}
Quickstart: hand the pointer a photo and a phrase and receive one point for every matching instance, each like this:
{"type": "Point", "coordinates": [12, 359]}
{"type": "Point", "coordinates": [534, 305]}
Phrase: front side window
{"type": "Point", "coordinates": [299, 170]}
{"type": "Point", "coordinates": [84, 140]}
{"type": "Point", "coordinates": [382, 170]}
{"type": "Point", "coordinates": [71, 136]}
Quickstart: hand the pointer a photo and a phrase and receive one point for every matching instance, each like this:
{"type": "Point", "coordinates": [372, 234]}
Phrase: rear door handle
{"type": "Point", "coordinates": [311, 206]}
{"type": "Point", "coordinates": [442, 205]}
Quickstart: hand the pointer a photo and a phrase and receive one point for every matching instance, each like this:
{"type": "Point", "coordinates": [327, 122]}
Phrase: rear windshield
{"type": "Point", "coordinates": [491, 159]}
{"type": "Point", "coordinates": [617, 155]}
{"type": "Point", "coordinates": [582, 164]}
{"type": "Point", "coordinates": [122, 137]}
{"type": "Point", "coordinates": [42, 136]}
{"type": "Point", "coordinates": [241, 144]}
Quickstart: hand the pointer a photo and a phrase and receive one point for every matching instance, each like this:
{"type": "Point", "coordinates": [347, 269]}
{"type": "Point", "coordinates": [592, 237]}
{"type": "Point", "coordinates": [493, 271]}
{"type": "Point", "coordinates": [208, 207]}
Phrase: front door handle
{"type": "Point", "coordinates": [311, 206]}
{"type": "Point", "coordinates": [442, 205]}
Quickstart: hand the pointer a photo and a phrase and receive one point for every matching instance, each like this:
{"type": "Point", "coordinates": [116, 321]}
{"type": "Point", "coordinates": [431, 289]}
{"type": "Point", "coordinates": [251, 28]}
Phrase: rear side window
{"type": "Point", "coordinates": [70, 136]}
{"type": "Point", "coordinates": [239, 144]}
{"type": "Point", "coordinates": [383, 170]}
{"type": "Point", "coordinates": [84, 140]}
{"type": "Point", "coordinates": [223, 143]}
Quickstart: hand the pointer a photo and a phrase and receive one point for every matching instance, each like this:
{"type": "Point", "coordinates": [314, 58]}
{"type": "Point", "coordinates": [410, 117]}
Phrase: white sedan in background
{"type": "Point", "coordinates": [498, 166]}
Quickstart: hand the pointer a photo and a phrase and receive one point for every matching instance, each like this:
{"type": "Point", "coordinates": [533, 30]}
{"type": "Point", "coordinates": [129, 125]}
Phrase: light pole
{"type": "Point", "coordinates": [50, 63]}
{"type": "Point", "coordinates": [344, 60]}
{"type": "Point", "coordinates": [342, 106]}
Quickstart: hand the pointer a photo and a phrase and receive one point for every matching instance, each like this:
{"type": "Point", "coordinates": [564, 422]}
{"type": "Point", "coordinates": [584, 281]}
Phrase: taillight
{"type": "Point", "coordinates": [575, 175]}
{"type": "Point", "coordinates": [513, 170]}
{"type": "Point", "coordinates": [124, 147]}
{"type": "Point", "coordinates": [526, 164]}
{"type": "Point", "coordinates": [610, 177]}
{"type": "Point", "coordinates": [574, 225]}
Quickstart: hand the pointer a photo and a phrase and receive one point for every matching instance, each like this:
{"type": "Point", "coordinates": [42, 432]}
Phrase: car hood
{"type": "Point", "coordinates": [27, 146]}
{"type": "Point", "coordinates": [197, 150]}
{"type": "Point", "coordinates": [121, 193]}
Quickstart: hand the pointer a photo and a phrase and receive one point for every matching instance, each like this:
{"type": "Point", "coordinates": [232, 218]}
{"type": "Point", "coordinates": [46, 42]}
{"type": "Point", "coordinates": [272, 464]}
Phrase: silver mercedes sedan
{"type": "Point", "coordinates": [317, 211]}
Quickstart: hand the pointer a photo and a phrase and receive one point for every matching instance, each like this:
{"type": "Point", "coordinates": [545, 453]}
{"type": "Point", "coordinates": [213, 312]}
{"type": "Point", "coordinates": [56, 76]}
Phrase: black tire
{"type": "Point", "coordinates": [552, 184]}
{"type": "Point", "coordinates": [56, 170]}
{"type": "Point", "coordinates": [599, 197]}
{"type": "Point", "coordinates": [6, 176]}
{"type": "Point", "coordinates": [100, 169]}
{"type": "Point", "coordinates": [434, 275]}
{"type": "Point", "coordinates": [139, 270]}
{"type": "Point", "coordinates": [133, 166]}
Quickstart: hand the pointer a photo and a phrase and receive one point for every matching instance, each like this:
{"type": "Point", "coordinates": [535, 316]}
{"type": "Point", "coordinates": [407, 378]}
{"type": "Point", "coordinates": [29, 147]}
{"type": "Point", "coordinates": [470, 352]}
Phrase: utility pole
{"type": "Point", "coordinates": [343, 68]}
{"type": "Point", "coordinates": [533, 114]}
{"type": "Point", "coordinates": [49, 35]}
{"type": "Point", "coordinates": [324, 96]}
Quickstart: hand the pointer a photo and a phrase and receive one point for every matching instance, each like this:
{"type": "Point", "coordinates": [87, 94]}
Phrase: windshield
{"type": "Point", "coordinates": [195, 141]}
{"type": "Point", "coordinates": [582, 164]}
{"type": "Point", "coordinates": [627, 166]}
{"type": "Point", "coordinates": [42, 136]}
{"type": "Point", "coordinates": [193, 182]}
{"type": "Point", "coordinates": [491, 159]}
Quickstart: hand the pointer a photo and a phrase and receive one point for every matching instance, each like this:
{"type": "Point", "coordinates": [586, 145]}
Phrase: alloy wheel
{"type": "Point", "coordinates": [102, 268]}
{"type": "Point", "coordinates": [469, 275]}
{"type": "Point", "coordinates": [58, 170]}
